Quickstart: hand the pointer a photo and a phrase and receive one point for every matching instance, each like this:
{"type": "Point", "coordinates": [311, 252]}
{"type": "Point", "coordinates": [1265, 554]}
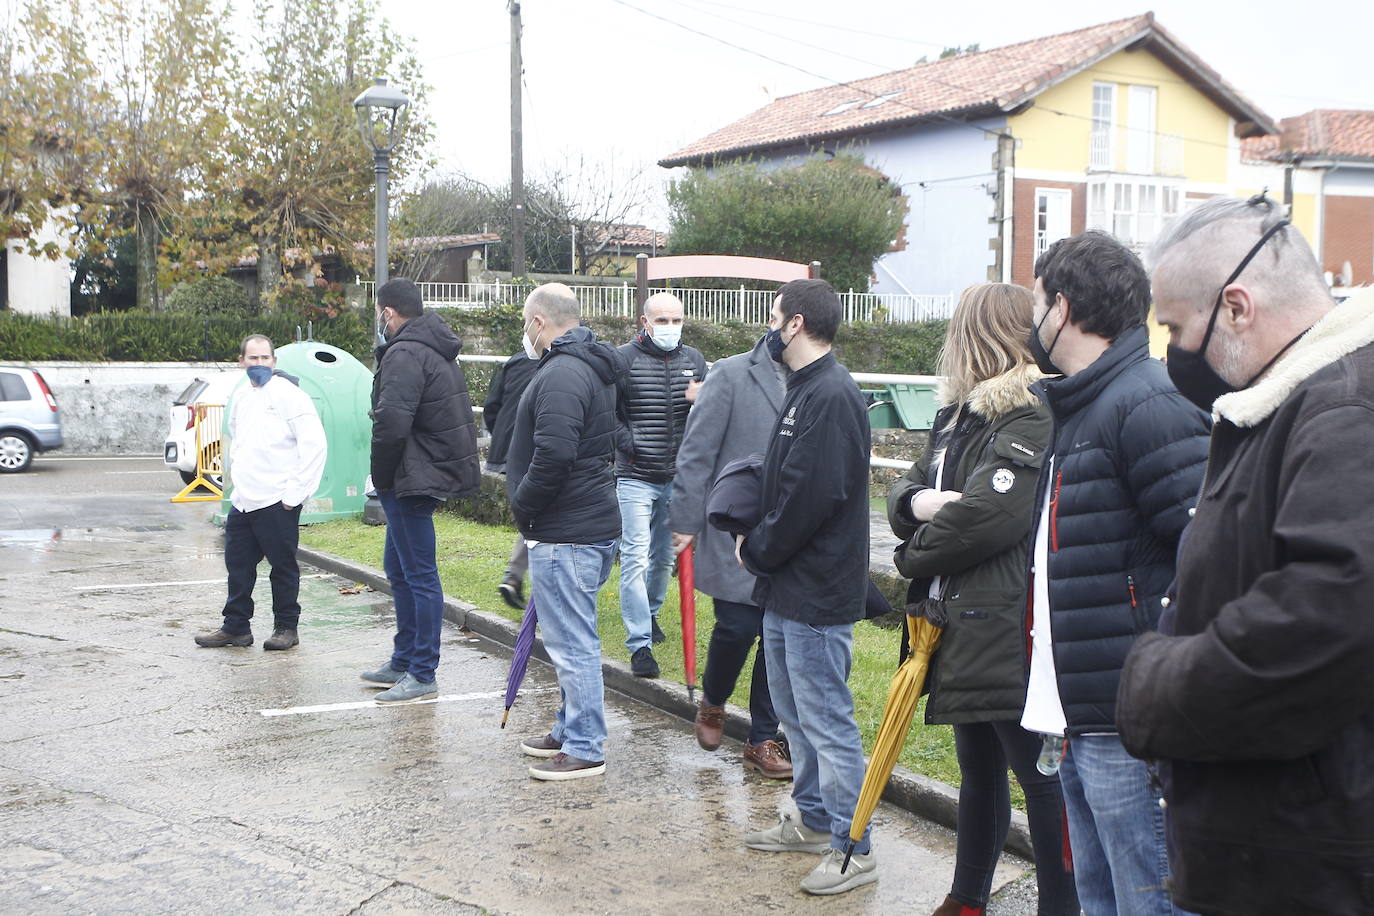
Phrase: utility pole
{"type": "Point", "coordinates": [517, 165]}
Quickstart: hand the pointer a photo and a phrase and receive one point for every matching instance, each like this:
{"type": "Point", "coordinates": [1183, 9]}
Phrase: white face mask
{"type": "Point", "coordinates": [666, 336]}
{"type": "Point", "coordinates": [530, 349]}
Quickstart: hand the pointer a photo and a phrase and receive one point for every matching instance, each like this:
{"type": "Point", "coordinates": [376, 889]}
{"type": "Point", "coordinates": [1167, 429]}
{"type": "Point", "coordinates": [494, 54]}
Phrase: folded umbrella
{"type": "Point", "coordinates": [520, 660]}
{"type": "Point", "coordinates": [687, 604]}
{"type": "Point", "coordinates": [903, 692]}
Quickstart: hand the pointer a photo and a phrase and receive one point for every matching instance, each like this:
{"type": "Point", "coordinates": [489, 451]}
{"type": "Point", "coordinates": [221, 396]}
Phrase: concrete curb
{"type": "Point", "coordinates": [921, 795]}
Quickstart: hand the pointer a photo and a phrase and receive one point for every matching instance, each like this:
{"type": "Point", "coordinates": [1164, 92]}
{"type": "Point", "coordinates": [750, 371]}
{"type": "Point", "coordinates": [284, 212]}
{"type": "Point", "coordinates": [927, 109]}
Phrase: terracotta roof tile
{"type": "Point", "coordinates": [633, 236]}
{"type": "Point", "coordinates": [980, 82]}
{"type": "Point", "coordinates": [1325, 133]}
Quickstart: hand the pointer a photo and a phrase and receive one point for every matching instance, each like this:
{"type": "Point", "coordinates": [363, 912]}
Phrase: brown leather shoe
{"type": "Point", "coordinates": [766, 758]}
{"type": "Point", "coordinates": [710, 723]}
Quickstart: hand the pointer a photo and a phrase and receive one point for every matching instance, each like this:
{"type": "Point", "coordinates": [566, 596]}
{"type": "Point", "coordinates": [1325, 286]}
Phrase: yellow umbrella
{"type": "Point", "coordinates": [902, 694]}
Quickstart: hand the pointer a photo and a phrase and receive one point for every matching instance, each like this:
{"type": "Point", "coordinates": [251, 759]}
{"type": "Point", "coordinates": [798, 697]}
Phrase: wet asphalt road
{"type": "Point", "coordinates": [139, 773]}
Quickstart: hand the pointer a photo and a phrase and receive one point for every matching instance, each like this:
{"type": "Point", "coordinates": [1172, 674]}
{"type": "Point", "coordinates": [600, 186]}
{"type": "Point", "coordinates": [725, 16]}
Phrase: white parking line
{"type": "Point", "coordinates": [106, 588]}
{"type": "Point", "coordinates": [98, 458]}
{"type": "Point", "coordinates": [369, 704]}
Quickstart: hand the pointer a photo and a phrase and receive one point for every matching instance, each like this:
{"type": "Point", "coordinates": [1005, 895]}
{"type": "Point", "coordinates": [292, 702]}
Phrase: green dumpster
{"type": "Point", "coordinates": [341, 388]}
{"type": "Point", "coordinates": [903, 405]}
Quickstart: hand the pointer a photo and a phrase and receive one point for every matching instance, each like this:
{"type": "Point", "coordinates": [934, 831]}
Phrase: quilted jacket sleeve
{"type": "Point", "coordinates": [1162, 456]}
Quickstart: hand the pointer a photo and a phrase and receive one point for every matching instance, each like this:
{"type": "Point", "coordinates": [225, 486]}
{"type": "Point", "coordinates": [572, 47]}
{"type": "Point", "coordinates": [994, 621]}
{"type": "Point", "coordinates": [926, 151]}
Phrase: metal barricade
{"type": "Point", "coordinates": [209, 455]}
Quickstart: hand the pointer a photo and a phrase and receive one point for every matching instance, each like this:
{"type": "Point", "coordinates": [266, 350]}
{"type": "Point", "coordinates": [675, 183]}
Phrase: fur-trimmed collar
{"type": "Point", "coordinates": [1340, 332]}
{"type": "Point", "coordinates": [1000, 395]}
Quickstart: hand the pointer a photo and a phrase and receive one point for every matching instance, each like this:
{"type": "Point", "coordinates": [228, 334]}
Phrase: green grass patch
{"type": "Point", "coordinates": [472, 558]}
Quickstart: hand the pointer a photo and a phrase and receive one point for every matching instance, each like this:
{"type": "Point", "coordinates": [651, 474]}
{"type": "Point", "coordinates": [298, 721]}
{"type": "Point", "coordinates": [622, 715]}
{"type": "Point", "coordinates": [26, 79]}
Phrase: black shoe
{"type": "Point", "coordinates": [219, 639]}
{"type": "Point", "coordinates": [512, 590]}
{"type": "Point", "coordinates": [642, 663]}
{"type": "Point", "coordinates": [656, 635]}
{"type": "Point", "coordinates": [281, 638]}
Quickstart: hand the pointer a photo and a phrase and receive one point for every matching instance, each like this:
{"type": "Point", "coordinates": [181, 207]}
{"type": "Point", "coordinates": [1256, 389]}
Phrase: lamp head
{"type": "Point", "coordinates": [381, 115]}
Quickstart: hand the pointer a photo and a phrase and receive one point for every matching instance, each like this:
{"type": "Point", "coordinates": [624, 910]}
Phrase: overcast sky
{"type": "Point", "coordinates": [605, 81]}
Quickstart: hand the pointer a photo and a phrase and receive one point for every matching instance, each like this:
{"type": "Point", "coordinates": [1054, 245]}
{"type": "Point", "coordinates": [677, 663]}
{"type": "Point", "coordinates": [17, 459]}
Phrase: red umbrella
{"type": "Point", "coordinates": [687, 603]}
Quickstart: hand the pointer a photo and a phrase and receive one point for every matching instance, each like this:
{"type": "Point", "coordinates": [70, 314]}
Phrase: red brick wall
{"type": "Point", "coordinates": [1023, 223]}
{"type": "Point", "coordinates": [1348, 235]}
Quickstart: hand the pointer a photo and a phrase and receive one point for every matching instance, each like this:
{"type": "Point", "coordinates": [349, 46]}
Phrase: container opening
{"type": "Point", "coordinates": [325, 356]}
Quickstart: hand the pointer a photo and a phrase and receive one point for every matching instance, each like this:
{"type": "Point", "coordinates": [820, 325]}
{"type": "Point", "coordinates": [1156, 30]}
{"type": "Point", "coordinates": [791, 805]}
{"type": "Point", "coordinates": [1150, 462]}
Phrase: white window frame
{"type": "Point", "coordinates": [1134, 208]}
{"type": "Point", "coordinates": [1102, 140]}
{"type": "Point", "coordinates": [1056, 225]}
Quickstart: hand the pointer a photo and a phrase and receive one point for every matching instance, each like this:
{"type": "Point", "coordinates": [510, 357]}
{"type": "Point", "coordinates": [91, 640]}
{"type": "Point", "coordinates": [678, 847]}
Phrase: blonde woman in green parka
{"type": "Point", "coordinates": [965, 514]}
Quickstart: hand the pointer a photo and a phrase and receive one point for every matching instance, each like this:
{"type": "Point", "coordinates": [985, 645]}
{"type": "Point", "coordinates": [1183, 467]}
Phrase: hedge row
{"type": "Point", "coordinates": [140, 337]}
{"type": "Point", "coordinates": [115, 337]}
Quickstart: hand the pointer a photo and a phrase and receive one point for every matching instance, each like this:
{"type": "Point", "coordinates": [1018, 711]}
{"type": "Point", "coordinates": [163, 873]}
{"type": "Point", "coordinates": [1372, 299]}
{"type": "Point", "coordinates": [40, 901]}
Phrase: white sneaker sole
{"type": "Point", "coordinates": [538, 751]}
{"type": "Point", "coordinates": [859, 880]}
{"type": "Point", "coordinates": [415, 699]}
{"type": "Point", "coordinates": [597, 770]}
{"type": "Point", "coordinates": [814, 849]}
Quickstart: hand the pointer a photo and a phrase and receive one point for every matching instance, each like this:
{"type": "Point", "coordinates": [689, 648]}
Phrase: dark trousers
{"type": "Point", "coordinates": [738, 627]}
{"type": "Point", "coordinates": [273, 533]}
{"type": "Point", "coordinates": [411, 567]}
{"type": "Point", "coordinates": [985, 751]}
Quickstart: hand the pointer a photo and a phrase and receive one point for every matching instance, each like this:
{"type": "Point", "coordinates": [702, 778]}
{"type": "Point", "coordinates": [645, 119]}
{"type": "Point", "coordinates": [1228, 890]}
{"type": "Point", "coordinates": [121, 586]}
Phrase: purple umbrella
{"type": "Point", "coordinates": [520, 660]}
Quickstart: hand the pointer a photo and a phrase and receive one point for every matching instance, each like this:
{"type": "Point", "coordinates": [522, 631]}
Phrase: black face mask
{"type": "Point", "coordinates": [1189, 370]}
{"type": "Point", "coordinates": [1042, 356]}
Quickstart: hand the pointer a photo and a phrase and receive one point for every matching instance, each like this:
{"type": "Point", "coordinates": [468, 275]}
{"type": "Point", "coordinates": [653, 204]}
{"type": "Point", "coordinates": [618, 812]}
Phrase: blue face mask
{"type": "Point", "coordinates": [666, 336]}
{"type": "Point", "coordinates": [775, 344]}
{"type": "Point", "coordinates": [259, 375]}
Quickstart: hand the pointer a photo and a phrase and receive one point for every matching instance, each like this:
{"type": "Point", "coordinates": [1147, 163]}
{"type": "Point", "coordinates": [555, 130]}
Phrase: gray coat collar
{"type": "Point", "coordinates": [765, 376]}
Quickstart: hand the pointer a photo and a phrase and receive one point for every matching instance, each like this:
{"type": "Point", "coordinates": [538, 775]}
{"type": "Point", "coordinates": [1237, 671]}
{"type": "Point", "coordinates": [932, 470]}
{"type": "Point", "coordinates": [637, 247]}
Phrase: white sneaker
{"type": "Point", "coordinates": [826, 878]}
{"type": "Point", "coordinates": [789, 836]}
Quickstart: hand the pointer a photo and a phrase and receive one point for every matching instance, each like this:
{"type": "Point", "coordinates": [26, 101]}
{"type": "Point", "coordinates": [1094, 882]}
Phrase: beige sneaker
{"type": "Point", "coordinates": [790, 835]}
{"type": "Point", "coordinates": [826, 878]}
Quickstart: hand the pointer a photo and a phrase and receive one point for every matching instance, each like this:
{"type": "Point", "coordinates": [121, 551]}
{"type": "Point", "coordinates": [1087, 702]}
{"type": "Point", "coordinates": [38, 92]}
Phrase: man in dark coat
{"type": "Point", "coordinates": [424, 451]}
{"type": "Point", "coordinates": [1259, 700]}
{"type": "Point", "coordinates": [498, 417]}
{"type": "Point", "coordinates": [810, 554]}
{"type": "Point", "coordinates": [661, 375]}
{"type": "Point", "coordinates": [1121, 475]}
{"type": "Point", "coordinates": [733, 418]}
{"type": "Point", "coordinates": [562, 493]}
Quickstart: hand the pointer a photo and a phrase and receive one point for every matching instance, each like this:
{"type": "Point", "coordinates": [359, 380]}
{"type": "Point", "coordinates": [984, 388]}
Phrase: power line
{"type": "Point", "coordinates": [790, 66]}
{"type": "Point", "coordinates": [897, 102]}
{"type": "Point", "coordinates": [999, 52]}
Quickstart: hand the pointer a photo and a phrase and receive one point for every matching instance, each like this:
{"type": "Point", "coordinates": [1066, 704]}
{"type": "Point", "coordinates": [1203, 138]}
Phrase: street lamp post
{"type": "Point", "coordinates": [381, 111]}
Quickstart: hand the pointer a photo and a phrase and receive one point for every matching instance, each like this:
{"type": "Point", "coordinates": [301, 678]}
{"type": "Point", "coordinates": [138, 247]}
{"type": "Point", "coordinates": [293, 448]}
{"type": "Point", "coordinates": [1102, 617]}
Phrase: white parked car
{"type": "Point", "coordinates": [179, 451]}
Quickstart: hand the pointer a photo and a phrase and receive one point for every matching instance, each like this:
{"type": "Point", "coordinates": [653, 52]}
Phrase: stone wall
{"type": "Point", "coordinates": [119, 408]}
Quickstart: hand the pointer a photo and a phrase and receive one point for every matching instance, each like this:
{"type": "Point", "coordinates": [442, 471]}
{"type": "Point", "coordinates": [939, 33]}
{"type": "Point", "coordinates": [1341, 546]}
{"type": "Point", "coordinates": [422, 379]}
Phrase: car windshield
{"type": "Point", "coordinates": [189, 395]}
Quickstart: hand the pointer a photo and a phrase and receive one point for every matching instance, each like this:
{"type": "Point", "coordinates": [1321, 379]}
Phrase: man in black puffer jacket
{"type": "Point", "coordinates": [1120, 480]}
{"type": "Point", "coordinates": [424, 451]}
{"type": "Point", "coordinates": [562, 493]}
{"type": "Point", "coordinates": [661, 378]}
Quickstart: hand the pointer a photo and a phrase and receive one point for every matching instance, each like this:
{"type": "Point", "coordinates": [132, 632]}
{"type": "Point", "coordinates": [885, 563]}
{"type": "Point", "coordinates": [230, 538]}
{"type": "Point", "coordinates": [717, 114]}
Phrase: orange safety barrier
{"type": "Point", "coordinates": [209, 455]}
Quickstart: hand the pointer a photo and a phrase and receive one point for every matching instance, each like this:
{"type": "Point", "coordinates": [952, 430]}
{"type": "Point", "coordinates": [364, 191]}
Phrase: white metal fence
{"type": "Point", "coordinates": [750, 306]}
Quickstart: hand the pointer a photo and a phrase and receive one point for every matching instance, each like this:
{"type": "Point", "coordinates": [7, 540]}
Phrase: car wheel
{"type": "Point", "coordinates": [16, 453]}
{"type": "Point", "coordinates": [186, 476]}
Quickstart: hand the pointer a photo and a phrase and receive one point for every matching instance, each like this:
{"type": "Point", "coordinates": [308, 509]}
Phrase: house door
{"type": "Point", "coordinates": [1051, 217]}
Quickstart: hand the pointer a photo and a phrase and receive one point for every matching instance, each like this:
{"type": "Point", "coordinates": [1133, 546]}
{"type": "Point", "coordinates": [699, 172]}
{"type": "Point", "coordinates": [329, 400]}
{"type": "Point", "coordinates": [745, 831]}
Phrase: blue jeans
{"type": "Point", "coordinates": [646, 556]}
{"type": "Point", "coordinates": [808, 671]}
{"type": "Point", "coordinates": [564, 580]}
{"type": "Point", "coordinates": [1116, 830]}
{"type": "Point", "coordinates": [414, 575]}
